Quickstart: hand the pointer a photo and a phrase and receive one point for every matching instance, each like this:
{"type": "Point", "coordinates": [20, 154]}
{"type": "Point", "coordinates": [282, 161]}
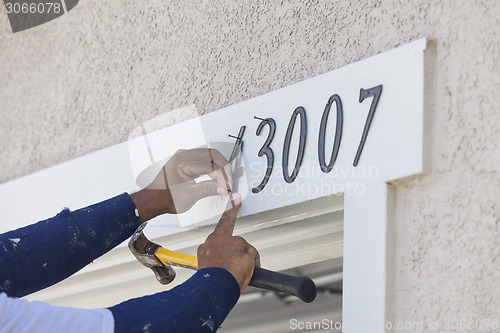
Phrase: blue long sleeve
{"type": "Point", "coordinates": [42, 254]}
{"type": "Point", "coordinates": [198, 305]}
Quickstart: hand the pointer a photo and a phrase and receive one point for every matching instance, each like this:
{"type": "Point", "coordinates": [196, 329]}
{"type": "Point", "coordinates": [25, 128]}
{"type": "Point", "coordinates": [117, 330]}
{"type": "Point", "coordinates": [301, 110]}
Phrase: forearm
{"type": "Point", "coordinates": [42, 254]}
{"type": "Point", "coordinates": [151, 203]}
{"type": "Point", "coordinates": [199, 305]}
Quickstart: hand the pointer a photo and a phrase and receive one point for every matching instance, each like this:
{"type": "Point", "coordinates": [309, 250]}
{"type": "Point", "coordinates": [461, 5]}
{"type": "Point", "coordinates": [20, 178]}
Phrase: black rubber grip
{"type": "Point", "coordinates": [300, 286]}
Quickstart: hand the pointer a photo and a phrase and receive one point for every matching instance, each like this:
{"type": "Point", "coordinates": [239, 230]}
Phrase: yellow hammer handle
{"type": "Point", "coordinates": [300, 286]}
{"type": "Point", "coordinates": [173, 258]}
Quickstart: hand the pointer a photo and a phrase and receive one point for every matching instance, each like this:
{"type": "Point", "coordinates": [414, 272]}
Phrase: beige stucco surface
{"type": "Point", "coordinates": [84, 81]}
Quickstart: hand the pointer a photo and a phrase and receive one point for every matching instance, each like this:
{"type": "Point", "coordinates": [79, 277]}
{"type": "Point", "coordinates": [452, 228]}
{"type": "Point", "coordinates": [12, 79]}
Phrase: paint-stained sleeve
{"type": "Point", "coordinates": [198, 305]}
{"type": "Point", "coordinates": [42, 254]}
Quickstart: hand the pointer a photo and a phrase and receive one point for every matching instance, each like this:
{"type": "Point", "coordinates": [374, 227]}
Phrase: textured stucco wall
{"type": "Point", "coordinates": [83, 81]}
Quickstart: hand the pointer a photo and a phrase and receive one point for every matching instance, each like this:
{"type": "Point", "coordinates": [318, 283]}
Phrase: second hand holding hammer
{"type": "Point", "coordinates": [160, 261]}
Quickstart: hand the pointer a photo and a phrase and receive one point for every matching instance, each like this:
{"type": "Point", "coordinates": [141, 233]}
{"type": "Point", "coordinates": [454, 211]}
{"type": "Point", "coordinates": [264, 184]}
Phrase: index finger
{"type": "Point", "coordinates": [204, 155]}
{"type": "Point", "coordinates": [226, 223]}
{"type": "Point", "coordinates": [206, 161]}
{"type": "Point", "coordinates": [217, 159]}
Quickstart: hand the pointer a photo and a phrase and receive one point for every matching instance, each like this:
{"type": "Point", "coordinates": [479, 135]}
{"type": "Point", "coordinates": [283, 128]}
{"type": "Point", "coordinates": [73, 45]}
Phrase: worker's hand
{"type": "Point", "coordinates": [174, 190]}
{"type": "Point", "coordinates": [233, 253]}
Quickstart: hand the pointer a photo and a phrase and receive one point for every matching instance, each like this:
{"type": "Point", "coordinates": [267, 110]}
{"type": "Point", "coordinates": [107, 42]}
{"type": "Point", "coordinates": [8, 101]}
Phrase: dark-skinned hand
{"type": "Point", "coordinates": [233, 253]}
{"type": "Point", "coordinates": [174, 190]}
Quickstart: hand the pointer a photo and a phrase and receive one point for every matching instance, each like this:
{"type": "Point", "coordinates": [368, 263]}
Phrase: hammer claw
{"type": "Point", "coordinates": [165, 274]}
{"type": "Point", "coordinates": [144, 250]}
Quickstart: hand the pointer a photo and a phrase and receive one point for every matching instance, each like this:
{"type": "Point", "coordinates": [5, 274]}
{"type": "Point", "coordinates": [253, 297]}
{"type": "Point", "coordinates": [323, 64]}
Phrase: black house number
{"type": "Point", "coordinates": [299, 115]}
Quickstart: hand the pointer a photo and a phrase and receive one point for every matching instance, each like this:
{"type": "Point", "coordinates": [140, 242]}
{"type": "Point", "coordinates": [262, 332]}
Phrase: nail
{"type": "Point", "coordinates": [221, 190]}
{"type": "Point", "coordinates": [235, 199]}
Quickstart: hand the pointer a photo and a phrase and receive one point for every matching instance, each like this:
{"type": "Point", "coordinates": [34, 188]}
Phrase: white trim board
{"type": "Point", "coordinates": [394, 148]}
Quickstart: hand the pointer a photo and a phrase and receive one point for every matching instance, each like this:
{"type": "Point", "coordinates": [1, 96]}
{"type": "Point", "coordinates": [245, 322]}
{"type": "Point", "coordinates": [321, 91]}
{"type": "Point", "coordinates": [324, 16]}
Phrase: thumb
{"type": "Point", "coordinates": [207, 188]}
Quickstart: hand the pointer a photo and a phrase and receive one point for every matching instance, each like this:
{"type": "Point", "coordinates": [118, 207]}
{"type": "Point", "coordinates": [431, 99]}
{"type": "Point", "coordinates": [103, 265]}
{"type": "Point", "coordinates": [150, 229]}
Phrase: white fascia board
{"type": "Point", "coordinates": [393, 148]}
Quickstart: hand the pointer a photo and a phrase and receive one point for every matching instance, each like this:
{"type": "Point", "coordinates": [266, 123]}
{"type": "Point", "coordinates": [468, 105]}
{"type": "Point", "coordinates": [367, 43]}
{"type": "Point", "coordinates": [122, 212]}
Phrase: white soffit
{"type": "Point", "coordinates": [286, 238]}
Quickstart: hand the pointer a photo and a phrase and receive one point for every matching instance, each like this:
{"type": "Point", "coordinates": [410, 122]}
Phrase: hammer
{"type": "Point", "coordinates": [161, 260]}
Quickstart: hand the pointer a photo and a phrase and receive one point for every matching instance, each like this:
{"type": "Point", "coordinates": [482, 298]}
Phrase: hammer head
{"type": "Point", "coordinates": [144, 250]}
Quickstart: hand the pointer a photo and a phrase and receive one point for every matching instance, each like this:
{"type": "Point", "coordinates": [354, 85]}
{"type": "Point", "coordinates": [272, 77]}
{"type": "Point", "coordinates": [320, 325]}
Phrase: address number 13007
{"type": "Point", "coordinates": [300, 113]}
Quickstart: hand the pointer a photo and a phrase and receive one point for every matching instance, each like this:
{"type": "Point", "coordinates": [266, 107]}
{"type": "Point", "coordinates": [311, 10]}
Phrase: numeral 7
{"type": "Point", "coordinates": [374, 92]}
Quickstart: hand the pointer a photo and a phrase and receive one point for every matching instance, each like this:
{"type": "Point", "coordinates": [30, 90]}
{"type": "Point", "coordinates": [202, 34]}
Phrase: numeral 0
{"type": "Point", "coordinates": [300, 111]}
{"type": "Point", "coordinates": [322, 133]}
